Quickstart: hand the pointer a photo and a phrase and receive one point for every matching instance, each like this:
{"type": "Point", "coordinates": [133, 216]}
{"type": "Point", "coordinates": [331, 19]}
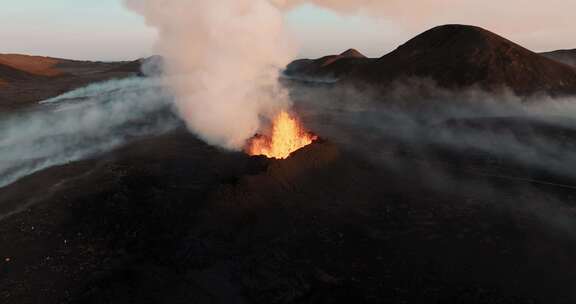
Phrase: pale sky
{"type": "Point", "coordinates": [105, 30]}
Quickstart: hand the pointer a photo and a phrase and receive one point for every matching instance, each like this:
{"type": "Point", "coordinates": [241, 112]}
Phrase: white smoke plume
{"type": "Point", "coordinates": [223, 57]}
{"type": "Point", "coordinates": [222, 60]}
{"type": "Point", "coordinates": [410, 10]}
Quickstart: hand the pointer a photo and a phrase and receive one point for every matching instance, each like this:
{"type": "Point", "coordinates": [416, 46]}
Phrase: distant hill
{"type": "Point", "coordinates": [51, 67]}
{"type": "Point", "coordinates": [332, 66]}
{"type": "Point", "coordinates": [131, 66]}
{"type": "Point", "coordinates": [564, 56]}
{"type": "Point", "coordinates": [454, 56]}
{"type": "Point", "coordinates": [9, 74]}
{"type": "Point", "coordinates": [26, 79]}
{"type": "Point", "coordinates": [36, 65]}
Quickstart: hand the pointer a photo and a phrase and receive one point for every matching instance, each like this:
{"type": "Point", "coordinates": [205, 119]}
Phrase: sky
{"type": "Point", "coordinates": [105, 30]}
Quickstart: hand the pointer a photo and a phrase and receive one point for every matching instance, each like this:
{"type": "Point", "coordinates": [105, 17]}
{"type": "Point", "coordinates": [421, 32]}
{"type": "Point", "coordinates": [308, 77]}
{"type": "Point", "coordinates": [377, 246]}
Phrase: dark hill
{"type": "Point", "coordinates": [564, 56]}
{"type": "Point", "coordinates": [36, 65]}
{"type": "Point", "coordinates": [327, 67]}
{"type": "Point", "coordinates": [352, 53]}
{"type": "Point", "coordinates": [52, 67]}
{"type": "Point", "coordinates": [129, 67]}
{"type": "Point", "coordinates": [148, 66]}
{"type": "Point", "coordinates": [9, 74]}
{"type": "Point", "coordinates": [457, 56]}
{"type": "Point", "coordinates": [328, 60]}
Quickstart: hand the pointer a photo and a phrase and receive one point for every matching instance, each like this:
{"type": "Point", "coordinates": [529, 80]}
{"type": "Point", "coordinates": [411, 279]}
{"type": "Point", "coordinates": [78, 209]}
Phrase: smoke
{"type": "Point", "coordinates": [222, 61]}
{"type": "Point", "coordinates": [499, 132]}
{"type": "Point", "coordinates": [491, 149]}
{"type": "Point", "coordinates": [82, 123]}
{"type": "Point", "coordinates": [223, 65]}
{"type": "Point", "coordinates": [408, 10]}
{"type": "Point", "coordinates": [223, 58]}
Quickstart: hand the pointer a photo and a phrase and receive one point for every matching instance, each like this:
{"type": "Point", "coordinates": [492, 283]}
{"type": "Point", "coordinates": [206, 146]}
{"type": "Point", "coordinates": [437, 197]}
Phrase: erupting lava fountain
{"type": "Point", "coordinates": [287, 135]}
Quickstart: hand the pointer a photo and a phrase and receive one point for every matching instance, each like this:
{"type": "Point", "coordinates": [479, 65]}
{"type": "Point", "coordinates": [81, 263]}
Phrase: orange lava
{"type": "Point", "coordinates": [286, 137]}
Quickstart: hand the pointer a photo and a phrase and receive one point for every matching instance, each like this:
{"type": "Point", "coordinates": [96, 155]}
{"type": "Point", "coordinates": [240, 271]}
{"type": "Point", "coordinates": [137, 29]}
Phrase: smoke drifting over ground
{"type": "Point", "coordinates": [465, 143]}
{"type": "Point", "coordinates": [82, 123]}
{"type": "Point", "coordinates": [495, 131]}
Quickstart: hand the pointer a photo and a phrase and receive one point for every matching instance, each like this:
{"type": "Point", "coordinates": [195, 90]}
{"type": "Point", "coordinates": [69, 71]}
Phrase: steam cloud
{"type": "Point", "coordinates": [223, 56]}
{"type": "Point", "coordinates": [223, 59]}
{"type": "Point", "coordinates": [405, 133]}
{"type": "Point", "coordinates": [537, 132]}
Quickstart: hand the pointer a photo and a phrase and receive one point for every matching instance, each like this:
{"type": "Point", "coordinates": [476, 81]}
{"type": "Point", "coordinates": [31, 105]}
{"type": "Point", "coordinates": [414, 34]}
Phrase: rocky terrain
{"type": "Point", "coordinates": [184, 222]}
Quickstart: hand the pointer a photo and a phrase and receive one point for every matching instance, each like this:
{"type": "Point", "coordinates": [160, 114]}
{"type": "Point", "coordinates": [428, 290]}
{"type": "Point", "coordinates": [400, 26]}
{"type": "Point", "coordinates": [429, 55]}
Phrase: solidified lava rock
{"type": "Point", "coordinates": [173, 219]}
{"type": "Point", "coordinates": [280, 174]}
{"type": "Point", "coordinates": [316, 154]}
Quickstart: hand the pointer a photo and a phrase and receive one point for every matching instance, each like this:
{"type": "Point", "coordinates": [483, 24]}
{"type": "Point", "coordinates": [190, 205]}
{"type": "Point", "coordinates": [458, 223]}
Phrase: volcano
{"type": "Point", "coordinates": [371, 204]}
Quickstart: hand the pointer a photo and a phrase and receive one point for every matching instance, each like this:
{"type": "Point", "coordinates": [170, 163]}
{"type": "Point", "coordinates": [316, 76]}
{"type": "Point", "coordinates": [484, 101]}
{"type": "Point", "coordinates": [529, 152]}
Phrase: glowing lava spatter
{"type": "Point", "coordinates": [286, 137]}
